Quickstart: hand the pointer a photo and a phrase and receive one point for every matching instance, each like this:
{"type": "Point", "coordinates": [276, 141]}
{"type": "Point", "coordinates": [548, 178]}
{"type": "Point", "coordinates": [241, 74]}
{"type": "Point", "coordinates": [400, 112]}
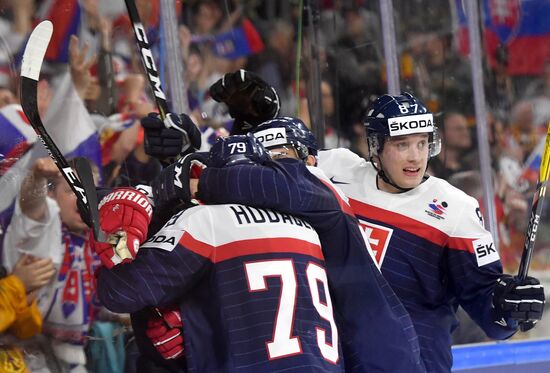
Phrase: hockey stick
{"type": "Point", "coordinates": [87, 179]}
{"type": "Point", "coordinates": [30, 71]}
{"type": "Point", "coordinates": [147, 58]}
{"type": "Point", "coordinates": [536, 210]}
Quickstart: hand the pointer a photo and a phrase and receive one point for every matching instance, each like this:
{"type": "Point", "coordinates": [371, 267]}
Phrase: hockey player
{"type": "Point", "coordinates": [428, 236]}
{"type": "Point", "coordinates": [374, 324]}
{"type": "Point", "coordinates": [251, 283]}
{"type": "Point", "coordinates": [451, 259]}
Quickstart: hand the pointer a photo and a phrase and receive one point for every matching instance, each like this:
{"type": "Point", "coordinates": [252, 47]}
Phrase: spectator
{"type": "Point", "coordinates": [455, 141]}
{"type": "Point", "coordinates": [46, 224]}
{"type": "Point", "coordinates": [20, 317]}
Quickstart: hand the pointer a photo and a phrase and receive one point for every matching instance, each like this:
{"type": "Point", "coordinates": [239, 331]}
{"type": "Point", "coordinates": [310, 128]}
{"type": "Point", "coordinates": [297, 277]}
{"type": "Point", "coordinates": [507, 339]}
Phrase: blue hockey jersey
{"type": "Point", "coordinates": [252, 289]}
{"type": "Point", "coordinates": [377, 332]}
{"type": "Point", "coordinates": [432, 247]}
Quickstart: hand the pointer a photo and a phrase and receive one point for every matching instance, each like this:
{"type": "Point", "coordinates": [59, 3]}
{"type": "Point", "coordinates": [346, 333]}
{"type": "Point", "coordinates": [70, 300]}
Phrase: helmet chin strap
{"type": "Point", "coordinates": [381, 174]}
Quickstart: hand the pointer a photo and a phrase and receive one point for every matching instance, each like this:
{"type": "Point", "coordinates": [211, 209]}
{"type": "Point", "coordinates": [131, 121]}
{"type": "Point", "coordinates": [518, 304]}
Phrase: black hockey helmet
{"type": "Point", "coordinates": [287, 131]}
{"type": "Point", "coordinates": [399, 115]}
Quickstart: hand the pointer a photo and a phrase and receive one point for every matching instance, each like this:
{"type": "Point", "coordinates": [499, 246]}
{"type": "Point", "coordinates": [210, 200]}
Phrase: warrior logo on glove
{"type": "Point", "coordinates": [124, 215]}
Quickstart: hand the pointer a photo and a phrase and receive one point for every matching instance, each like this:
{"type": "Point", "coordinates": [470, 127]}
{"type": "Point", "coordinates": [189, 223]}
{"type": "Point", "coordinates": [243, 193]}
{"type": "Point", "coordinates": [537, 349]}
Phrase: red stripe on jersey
{"type": "Point", "coordinates": [459, 243]}
{"type": "Point", "coordinates": [343, 204]}
{"type": "Point", "coordinates": [410, 225]}
{"type": "Point", "coordinates": [249, 247]}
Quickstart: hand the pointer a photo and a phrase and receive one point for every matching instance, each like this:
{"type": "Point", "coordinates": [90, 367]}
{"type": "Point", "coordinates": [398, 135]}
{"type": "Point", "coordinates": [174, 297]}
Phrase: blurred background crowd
{"type": "Point", "coordinates": [325, 59]}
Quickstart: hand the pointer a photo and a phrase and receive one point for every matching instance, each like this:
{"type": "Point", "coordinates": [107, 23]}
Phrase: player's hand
{"type": "Point", "coordinates": [518, 303]}
{"type": "Point", "coordinates": [176, 135]}
{"type": "Point", "coordinates": [171, 187]}
{"type": "Point", "coordinates": [165, 332]}
{"type": "Point", "coordinates": [237, 149]}
{"type": "Point", "coordinates": [250, 99]}
{"type": "Point", "coordinates": [124, 215]}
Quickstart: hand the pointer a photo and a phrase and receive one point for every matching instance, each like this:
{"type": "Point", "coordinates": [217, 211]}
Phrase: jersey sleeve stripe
{"type": "Point", "coordinates": [251, 247]}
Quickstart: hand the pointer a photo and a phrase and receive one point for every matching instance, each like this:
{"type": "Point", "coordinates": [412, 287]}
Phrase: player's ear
{"type": "Point", "coordinates": [311, 160]}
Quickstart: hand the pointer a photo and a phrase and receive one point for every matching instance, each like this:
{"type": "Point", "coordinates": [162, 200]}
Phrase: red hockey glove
{"type": "Point", "coordinates": [165, 332]}
{"type": "Point", "coordinates": [124, 215]}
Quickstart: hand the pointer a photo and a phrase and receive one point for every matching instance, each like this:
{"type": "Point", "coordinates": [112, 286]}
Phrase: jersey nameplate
{"type": "Point", "coordinates": [246, 215]}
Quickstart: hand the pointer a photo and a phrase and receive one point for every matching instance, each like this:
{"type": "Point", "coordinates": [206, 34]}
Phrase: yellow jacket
{"type": "Point", "coordinates": [17, 318]}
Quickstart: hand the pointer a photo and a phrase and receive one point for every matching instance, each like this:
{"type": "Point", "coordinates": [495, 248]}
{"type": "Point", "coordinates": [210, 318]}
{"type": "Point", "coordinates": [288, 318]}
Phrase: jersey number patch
{"type": "Point", "coordinates": [283, 343]}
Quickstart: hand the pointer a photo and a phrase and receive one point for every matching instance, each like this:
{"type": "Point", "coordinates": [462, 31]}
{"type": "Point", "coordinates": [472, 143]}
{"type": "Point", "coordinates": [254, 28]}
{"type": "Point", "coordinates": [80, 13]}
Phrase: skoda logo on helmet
{"type": "Point", "coordinates": [411, 124]}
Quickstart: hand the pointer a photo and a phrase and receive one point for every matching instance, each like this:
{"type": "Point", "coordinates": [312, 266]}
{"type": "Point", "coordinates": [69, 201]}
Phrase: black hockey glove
{"type": "Point", "coordinates": [250, 99]}
{"type": "Point", "coordinates": [171, 188]}
{"type": "Point", "coordinates": [176, 135]}
{"type": "Point", "coordinates": [237, 149]}
{"type": "Point", "coordinates": [516, 302]}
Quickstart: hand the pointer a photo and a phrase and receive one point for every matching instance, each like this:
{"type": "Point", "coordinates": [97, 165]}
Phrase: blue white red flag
{"type": "Point", "coordinates": [521, 26]}
{"type": "Point", "coordinates": [65, 16]}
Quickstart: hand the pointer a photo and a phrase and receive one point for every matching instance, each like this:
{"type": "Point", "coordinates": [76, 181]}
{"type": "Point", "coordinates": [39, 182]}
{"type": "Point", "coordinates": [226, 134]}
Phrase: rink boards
{"type": "Point", "coordinates": [532, 356]}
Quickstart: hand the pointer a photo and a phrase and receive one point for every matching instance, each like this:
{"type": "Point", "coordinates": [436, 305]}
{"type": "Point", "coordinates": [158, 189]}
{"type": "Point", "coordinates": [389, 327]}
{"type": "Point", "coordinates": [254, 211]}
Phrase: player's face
{"type": "Point", "coordinates": [285, 151]}
{"type": "Point", "coordinates": [404, 160]}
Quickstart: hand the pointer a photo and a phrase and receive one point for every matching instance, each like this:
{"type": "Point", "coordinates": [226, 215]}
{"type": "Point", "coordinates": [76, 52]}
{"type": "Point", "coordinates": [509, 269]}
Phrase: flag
{"type": "Point", "coordinates": [238, 42]}
{"type": "Point", "coordinates": [70, 125]}
{"type": "Point", "coordinates": [65, 16]}
{"type": "Point", "coordinates": [17, 136]}
{"type": "Point", "coordinates": [521, 26]}
{"type": "Point", "coordinates": [16, 141]}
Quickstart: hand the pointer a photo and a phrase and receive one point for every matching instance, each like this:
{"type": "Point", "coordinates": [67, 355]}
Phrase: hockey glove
{"type": "Point", "coordinates": [176, 135]}
{"type": "Point", "coordinates": [165, 332]}
{"type": "Point", "coordinates": [124, 215]}
{"type": "Point", "coordinates": [250, 99]}
{"type": "Point", "coordinates": [516, 302]}
{"type": "Point", "coordinates": [237, 149]}
{"type": "Point", "coordinates": [171, 188]}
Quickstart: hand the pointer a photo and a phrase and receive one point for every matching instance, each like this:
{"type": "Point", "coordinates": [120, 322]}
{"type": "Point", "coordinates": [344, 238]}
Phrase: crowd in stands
{"type": "Point", "coordinates": [93, 84]}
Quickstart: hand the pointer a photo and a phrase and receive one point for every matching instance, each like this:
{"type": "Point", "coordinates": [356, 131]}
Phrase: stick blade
{"type": "Point", "coordinates": [36, 50]}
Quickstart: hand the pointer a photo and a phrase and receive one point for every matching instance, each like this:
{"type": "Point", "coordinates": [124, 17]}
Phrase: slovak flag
{"type": "Point", "coordinates": [521, 26]}
{"type": "Point", "coordinates": [65, 15]}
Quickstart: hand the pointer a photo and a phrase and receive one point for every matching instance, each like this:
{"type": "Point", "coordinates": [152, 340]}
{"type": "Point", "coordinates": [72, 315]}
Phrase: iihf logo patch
{"type": "Point", "coordinates": [437, 210]}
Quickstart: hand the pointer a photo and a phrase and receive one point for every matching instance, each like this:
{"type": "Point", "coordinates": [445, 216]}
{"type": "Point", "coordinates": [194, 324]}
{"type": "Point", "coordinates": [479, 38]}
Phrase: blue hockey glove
{"type": "Point", "coordinates": [237, 149]}
{"type": "Point", "coordinates": [249, 98]}
{"type": "Point", "coordinates": [176, 135]}
{"type": "Point", "coordinates": [171, 187]}
{"type": "Point", "coordinates": [518, 303]}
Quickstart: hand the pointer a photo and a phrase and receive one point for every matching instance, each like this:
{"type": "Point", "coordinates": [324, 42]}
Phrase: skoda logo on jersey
{"type": "Point", "coordinates": [410, 124]}
{"type": "Point", "coordinates": [271, 137]}
{"type": "Point", "coordinates": [437, 209]}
